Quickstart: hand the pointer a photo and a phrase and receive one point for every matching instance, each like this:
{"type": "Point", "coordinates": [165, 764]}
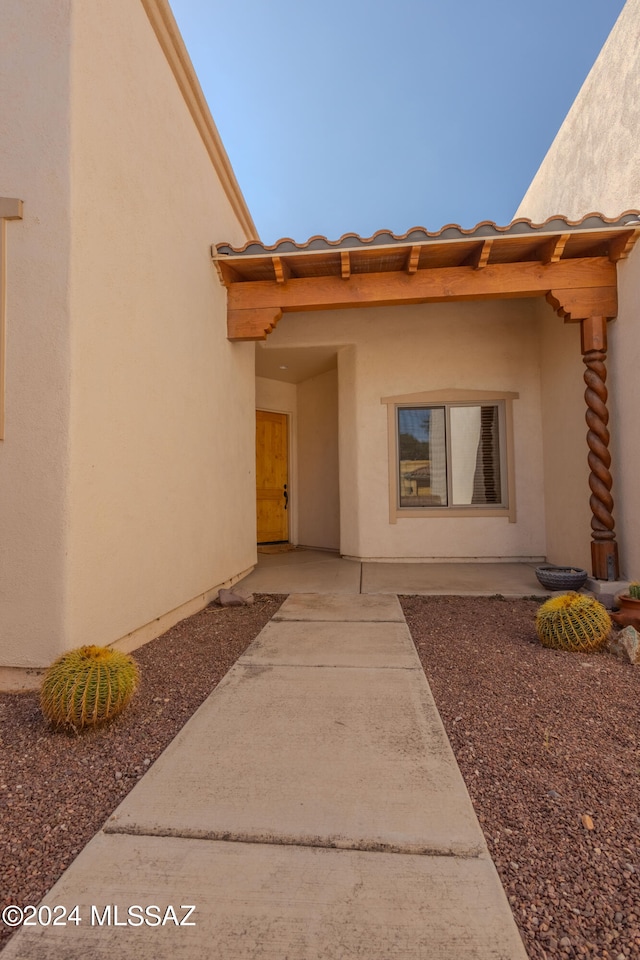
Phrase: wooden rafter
{"type": "Point", "coordinates": [281, 270]}
{"type": "Point", "coordinates": [551, 251]}
{"type": "Point", "coordinates": [620, 247]}
{"type": "Point", "coordinates": [413, 259]}
{"type": "Point", "coordinates": [479, 258]}
{"type": "Point", "coordinates": [345, 264]}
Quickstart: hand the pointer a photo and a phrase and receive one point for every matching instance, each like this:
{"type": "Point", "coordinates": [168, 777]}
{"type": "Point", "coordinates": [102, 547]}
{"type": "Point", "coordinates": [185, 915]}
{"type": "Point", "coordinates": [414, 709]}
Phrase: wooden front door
{"type": "Point", "coordinates": [272, 487]}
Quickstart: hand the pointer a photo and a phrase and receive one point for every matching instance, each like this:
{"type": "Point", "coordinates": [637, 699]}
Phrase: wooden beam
{"type": "Point", "coordinates": [281, 270]}
{"type": "Point", "coordinates": [577, 304]}
{"type": "Point", "coordinates": [495, 281]}
{"type": "Point", "coordinates": [412, 259]}
{"type": "Point", "coordinates": [252, 324]}
{"type": "Point", "coordinates": [345, 264]}
{"type": "Point", "coordinates": [620, 247]}
{"type": "Point", "coordinates": [551, 251]}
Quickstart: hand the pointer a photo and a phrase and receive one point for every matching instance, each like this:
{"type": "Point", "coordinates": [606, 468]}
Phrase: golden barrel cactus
{"type": "Point", "coordinates": [574, 622]}
{"type": "Point", "coordinates": [87, 686]}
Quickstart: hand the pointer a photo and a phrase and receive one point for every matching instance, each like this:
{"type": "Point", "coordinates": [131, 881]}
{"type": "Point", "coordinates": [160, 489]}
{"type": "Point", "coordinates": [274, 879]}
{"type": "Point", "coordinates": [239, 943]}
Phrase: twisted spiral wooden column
{"type": "Point", "coordinates": [604, 549]}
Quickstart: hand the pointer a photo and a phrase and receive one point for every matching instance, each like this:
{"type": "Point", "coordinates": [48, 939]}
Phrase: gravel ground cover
{"type": "Point", "coordinates": [56, 790]}
{"type": "Point", "coordinates": [549, 746]}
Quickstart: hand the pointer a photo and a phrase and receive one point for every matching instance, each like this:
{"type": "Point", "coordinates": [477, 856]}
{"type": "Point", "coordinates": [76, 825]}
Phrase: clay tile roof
{"type": "Point", "coordinates": [452, 246]}
{"type": "Point", "coordinates": [451, 231]}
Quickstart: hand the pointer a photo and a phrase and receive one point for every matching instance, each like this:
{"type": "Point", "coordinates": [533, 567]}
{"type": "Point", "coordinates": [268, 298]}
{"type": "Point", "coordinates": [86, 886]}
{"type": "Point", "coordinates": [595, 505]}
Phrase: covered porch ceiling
{"type": "Point", "coordinates": [294, 364]}
{"type": "Point", "coordinates": [572, 264]}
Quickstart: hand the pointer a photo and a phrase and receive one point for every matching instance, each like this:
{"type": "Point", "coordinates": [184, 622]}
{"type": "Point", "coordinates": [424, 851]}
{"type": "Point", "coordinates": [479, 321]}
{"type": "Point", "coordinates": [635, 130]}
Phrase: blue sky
{"type": "Point", "coordinates": [358, 115]}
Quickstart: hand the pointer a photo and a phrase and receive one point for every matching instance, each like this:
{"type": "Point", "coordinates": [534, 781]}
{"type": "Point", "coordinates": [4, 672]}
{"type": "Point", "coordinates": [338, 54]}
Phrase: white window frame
{"type": "Point", "coordinates": [450, 398]}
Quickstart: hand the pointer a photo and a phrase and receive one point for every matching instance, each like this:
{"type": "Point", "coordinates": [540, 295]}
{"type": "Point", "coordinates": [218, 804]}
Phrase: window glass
{"type": "Point", "coordinates": [449, 455]}
{"type": "Point", "coordinates": [475, 455]}
{"type": "Point", "coordinates": [422, 454]}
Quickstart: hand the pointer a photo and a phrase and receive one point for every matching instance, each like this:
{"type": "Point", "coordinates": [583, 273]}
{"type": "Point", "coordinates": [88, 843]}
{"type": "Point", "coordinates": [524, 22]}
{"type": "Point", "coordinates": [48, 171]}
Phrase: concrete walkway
{"type": "Point", "coordinates": [311, 808]}
{"type": "Point", "coordinates": [303, 570]}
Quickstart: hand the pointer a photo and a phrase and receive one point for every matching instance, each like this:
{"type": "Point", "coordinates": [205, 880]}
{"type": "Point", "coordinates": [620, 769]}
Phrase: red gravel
{"type": "Point", "coordinates": [56, 790]}
{"type": "Point", "coordinates": [543, 738]}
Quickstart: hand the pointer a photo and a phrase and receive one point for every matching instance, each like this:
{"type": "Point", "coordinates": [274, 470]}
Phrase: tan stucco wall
{"type": "Point", "coordinates": [352, 510]}
{"type": "Point", "coordinates": [276, 395]}
{"type": "Point", "coordinates": [128, 467]}
{"type": "Point", "coordinates": [34, 148]}
{"type": "Point", "coordinates": [388, 352]}
{"type": "Point", "coordinates": [624, 367]}
{"type": "Point", "coordinates": [594, 164]}
{"type": "Point", "coordinates": [162, 459]}
{"type": "Point", "coordinates": [317, 442]}
{"type": "Point", "coordinates": [566, 472]}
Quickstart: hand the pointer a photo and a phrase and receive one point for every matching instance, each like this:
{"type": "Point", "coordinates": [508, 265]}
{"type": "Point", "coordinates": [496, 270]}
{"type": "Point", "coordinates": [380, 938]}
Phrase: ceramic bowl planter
{"type": "Point", "coordinates": [561, 578]}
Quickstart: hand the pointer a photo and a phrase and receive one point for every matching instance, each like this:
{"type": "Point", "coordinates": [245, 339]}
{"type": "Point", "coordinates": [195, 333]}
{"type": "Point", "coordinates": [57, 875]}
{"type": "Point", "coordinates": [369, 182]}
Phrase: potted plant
{"type": "Point", "coordinates": [631, 600]}
{"type": "Point", "coordinates": [629, 607]}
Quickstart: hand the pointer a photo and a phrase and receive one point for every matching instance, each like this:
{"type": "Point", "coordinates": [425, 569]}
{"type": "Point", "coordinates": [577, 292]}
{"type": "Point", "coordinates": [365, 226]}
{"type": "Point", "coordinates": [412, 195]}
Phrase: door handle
{"type": "Point", "coordinates": [286, 497]}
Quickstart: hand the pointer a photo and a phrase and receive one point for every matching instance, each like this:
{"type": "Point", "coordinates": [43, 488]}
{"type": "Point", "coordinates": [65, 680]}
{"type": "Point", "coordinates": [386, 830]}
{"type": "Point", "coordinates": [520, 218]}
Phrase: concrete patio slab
{"type": "Point", "coordinates": [340, 757]}
{"type": "Point", "coordinates": [289, 556]}
{"type": "Point", "coordinates": [459, 579]}
{"type": "Point", "coordinates": [273, 902]}
{"type": "Point", "coordinates": [302, 571]}
{"type": "Point", "coordinates": [335, 607]}
{"type": "Point", "coordinates": [321, 644]}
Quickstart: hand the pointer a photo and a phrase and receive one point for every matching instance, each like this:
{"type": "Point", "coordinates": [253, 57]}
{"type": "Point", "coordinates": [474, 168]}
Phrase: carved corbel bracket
{"type": "Point", "coordinates": [252, 324]}
{"type": "Point", "coordinates": [578, 304]}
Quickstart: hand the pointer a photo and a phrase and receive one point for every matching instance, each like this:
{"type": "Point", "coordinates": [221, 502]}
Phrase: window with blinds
{"type": "Point", "coordinates": [451, 455]}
